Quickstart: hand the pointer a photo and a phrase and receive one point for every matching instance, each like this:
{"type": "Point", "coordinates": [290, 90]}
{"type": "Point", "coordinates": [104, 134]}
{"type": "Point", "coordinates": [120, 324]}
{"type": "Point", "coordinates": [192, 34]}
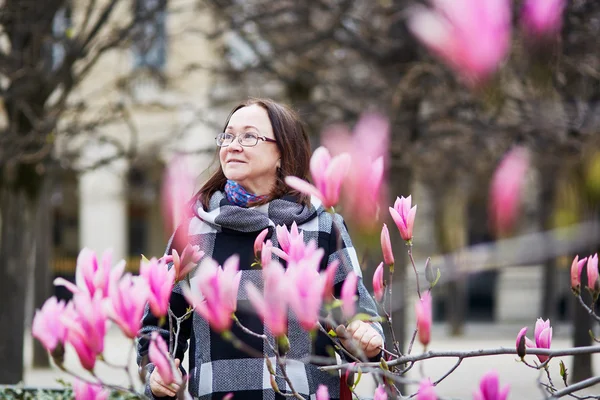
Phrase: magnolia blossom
{"type": "Point", "coordinates": [259, 241]}
{"type": "Point", "coordinates": [92, 276]}
{"type": "Point", "coordinates": [576, 268]}
{"type": "Point", "coordinates": [426, 390]}
{"type": "Point", "coordinates": [327, 173]}
{"type": "Point", "coordinates": [214, 291]}
{"type": "Point", "coordinates": [266, 254]}
{"type": "Point", "coordinates": [47, 326]}
{"type": "Point", "coordinates": [159, 279]}
{"type": "Point", "coordinates": [592, 273]}
{"type": "Point", "coordinates": [404, 216]}
{"type": "Point", "coordinates": [542, 336]}
{"type": "Point", "coordinates": [378, 284]}
{"type": "Point", "coordinates": [89, 391]}
{"type": "Point", "coordinates": [386, 246]}
{"type": "Point", "coordinates": [273, 306]}
{"type": "Point", "coordinates": [489, 388]}
{"type": "Point", "coordinates": [185, 263]}
{"type": "Point", "coordinates": [158, 353]}
{"type": "Point", "coordinates": [322, 393]}
{"type": "Point", "coordinates": [348, 295]}
{"type": "Point", "coordinates": [126, 304]}
{"type": "Point", "coordinates": [522, 342]}
{"type": "Point", "coordinates": [86, 324]}
{"type": "Point", "coordinates": [542, 18]}
{"type": "Point", "coordinates": [328, 278]}
{"type": "Point", "coordinates": [380, 393]}
{"type": "Point", "coordinates": [506, 189]}
{"type": "Point", "coordinates": [471, 36]}
{"type": "Point", "coordinates": [305, 293]}
{"type": "Point", "coordinates": [424, 316]}
{"type": "Point", "coordinates": [290, 242]}
{"type": "Point", "coordinates": [364, 188]}
{"type": "Point", "coordinates": [177, 189]}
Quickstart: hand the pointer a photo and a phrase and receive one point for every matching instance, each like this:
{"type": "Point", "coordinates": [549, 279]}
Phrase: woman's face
{"type": "Point", "coordinates": [255, 168]}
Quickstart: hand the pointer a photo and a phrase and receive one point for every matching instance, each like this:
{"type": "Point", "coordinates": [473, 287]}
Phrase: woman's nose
{"type": "Point", "coordinates": [235, 145]}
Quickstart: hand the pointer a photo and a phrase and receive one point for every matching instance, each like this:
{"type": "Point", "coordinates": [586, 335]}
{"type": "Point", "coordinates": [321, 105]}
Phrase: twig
{"type": "Point", "coordinates": [475, 353]}
{"type": "Point", "coordinates": [412, 261]}
{"type": "Point", "coordinates": [412, 340]}
{"type": "Point", "coordinates": [575, 387]}
{"type": "Point", "coordinates": [449, 372]}
{"type": "Point", "coordinates": [588, 309]}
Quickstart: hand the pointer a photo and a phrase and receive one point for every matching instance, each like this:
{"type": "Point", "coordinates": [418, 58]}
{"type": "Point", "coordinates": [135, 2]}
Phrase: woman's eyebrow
{"type": "Point", "coordinates": [245, 127]}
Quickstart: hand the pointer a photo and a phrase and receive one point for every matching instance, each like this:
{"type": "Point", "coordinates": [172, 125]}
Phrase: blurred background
{"type": "Point", "coordinates": [97, 96]}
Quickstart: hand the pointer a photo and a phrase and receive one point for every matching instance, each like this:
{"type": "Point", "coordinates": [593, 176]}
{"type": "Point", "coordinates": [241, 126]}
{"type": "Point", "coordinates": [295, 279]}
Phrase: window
{"type": "Point", "coordinates": [150, 37]}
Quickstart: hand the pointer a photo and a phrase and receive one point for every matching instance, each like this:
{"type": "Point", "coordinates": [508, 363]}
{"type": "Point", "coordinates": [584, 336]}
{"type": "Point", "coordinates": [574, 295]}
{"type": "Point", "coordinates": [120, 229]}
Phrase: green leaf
{"type": "Point", "coordinates": [437, 278]}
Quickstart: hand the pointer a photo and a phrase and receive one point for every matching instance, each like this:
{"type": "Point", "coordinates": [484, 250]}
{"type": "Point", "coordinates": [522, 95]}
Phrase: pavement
{"type": "Point", "coordinates": [460, 384]}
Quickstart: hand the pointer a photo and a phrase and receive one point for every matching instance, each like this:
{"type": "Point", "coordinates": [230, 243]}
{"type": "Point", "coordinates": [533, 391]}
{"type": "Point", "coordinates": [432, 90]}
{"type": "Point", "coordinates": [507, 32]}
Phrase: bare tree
{"type": "Point", "coordinates": [48, 51]}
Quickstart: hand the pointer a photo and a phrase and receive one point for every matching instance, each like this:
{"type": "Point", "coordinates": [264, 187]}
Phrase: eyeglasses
{"type": "Point", "coordinates": [248, 139]}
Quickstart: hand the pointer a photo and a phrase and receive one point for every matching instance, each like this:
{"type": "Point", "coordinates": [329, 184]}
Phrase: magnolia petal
{"type": "Point", "coordinates": [303, 187]}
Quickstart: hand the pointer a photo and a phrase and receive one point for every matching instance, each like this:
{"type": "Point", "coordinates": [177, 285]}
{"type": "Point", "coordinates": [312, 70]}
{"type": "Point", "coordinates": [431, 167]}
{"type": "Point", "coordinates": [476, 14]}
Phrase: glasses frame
{"type": "Point", "coordinates": [237, 137]}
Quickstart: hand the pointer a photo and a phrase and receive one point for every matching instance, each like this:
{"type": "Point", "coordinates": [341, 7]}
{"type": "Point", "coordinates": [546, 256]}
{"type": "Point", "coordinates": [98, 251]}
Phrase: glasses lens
{"type": "Point", "coordinates": [249, 139]}
{"type": "Point", "coordinates": [224, 139]}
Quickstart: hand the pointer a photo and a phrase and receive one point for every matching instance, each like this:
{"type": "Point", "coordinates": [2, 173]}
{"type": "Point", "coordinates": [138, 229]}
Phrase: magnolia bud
{"type": "Point", "coordinates": [283, 345]}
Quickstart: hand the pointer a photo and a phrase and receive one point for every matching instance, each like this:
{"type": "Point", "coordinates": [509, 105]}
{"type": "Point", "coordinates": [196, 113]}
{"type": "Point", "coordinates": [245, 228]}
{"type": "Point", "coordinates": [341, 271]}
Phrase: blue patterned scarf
{"type": "Point", "coordinates": [239, 196]}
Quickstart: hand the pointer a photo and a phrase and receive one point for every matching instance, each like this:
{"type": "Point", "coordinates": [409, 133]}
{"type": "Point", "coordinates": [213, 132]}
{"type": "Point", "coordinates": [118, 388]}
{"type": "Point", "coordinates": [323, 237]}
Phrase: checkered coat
{"type": "Point", "coordinates": [215, 367]}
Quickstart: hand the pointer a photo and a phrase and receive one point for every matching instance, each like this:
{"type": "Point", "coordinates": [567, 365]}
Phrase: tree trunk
{"type": "Point", "coordinates": [14, 245]}
{"type": "Point", "coordinates": [582, 323]}
{"type": "Point", "coordinates": [42, 271]}
{"type": "Point", "coordinates": [546, 198]}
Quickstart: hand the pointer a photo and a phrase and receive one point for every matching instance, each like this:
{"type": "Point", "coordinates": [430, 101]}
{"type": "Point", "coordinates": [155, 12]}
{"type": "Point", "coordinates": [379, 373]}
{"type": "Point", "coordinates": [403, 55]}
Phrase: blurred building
{"type": "Point", "coordinates": [149, 100]}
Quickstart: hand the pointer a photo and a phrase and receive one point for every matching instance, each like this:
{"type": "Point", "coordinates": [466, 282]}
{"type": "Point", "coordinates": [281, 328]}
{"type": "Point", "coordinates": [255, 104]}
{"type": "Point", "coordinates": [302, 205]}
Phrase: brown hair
{"type": "Point", "coordinates": [293, 145]}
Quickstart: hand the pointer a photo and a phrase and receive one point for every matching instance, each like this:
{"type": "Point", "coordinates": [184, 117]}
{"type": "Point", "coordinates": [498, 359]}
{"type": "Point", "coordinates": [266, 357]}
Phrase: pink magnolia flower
{"type": "Point", "coordinates": [305, 293]}
{"type": "Point", "coordinates": [386, 246]}
{"type": "Point", "coordinates": [272, 307]}
{"type": "Point", "coordinates": [159, 279]}
{"type": "Point", "coordinates": [506, 189]}
{"type": "Point", "coordinates": [380, 393]}
{"type": "Point", "coordinates": [489, 388]}
{"type": "Point", "coordinates": [47, 326]}
{"type": "Point", "coordinates": [185, 263]}
{"type": "Point", "coordinates": [259, 241]}
{"type": "Point", "coordinates": [542, 18]}
{"type": "Point", "coordinates": [328, 278]}
{"type": "Point", "coordinates": [89, 391]}
{"type": "Point", "coordinates": [424, 316]}
{"type": "Point", "coordinates": [378, 284]}
{"type": "Point", "coordinates": [177, 189]}
{"type": "Point", "coordinates": [158, 353]}
{"type": "Point", "coordinates": [327, 173]}
{"type": "Point", "coordinates": [214, 291]}
{"type": "Point", "coordinates": [576, 268]}
{"type": "Point", "coordinates": [404, 216]}
{"type": "Point", "coordinates": [92, 276]}
{"type": "Point", "coordinates": [426, 391]}
{"type": "Point", "coordinates": [543, 336]}
{"type": "Point", "coordinates": [528, 343]}
{"type": "Point", "coordinates": [592, 272]}
{"type": "Point", "coordinates": [348, 295]}
{"type": "Point", "coordinates": [86, 325]}
{"type": "Point", "coordinates": [364, 189]}
{"type": "Point", "coordinates": [266, 254]}
{"type": "Point", "coordinates": [471, 36]}
{"type": "Point", "coordinates": [322, 393]}
{"type": "Point", "coordinates": [290, 242]}
{"type": "Point", "coordinates": [126, 304]}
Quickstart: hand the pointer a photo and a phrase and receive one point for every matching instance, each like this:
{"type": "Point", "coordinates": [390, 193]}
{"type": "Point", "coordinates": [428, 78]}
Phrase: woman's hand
{"type": "Point", "coordinates": [158, 386]}
{"type": "Point", "coordinates": [362, 335]}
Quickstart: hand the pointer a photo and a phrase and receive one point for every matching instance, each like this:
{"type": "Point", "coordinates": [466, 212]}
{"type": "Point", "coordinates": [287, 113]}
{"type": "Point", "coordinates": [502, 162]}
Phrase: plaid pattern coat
{"type": "Point", "coordinates": [215, 367]}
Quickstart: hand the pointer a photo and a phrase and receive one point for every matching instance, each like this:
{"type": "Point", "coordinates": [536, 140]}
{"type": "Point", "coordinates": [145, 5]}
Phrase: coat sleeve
{"type": "Point", "coordinates": [178, 305]}
{"type": "Point", "coordinates": [341, 249]}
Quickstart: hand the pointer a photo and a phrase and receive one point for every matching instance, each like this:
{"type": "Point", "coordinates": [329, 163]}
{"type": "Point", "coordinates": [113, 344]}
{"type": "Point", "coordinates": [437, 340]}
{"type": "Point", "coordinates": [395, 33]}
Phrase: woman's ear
{"type": "Point", "coordinates": [278, 164]}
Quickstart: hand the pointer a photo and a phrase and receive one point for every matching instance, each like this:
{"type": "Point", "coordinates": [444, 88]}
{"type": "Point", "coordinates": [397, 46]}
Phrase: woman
{"type": "Point", "coordinates": [261, 144]}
